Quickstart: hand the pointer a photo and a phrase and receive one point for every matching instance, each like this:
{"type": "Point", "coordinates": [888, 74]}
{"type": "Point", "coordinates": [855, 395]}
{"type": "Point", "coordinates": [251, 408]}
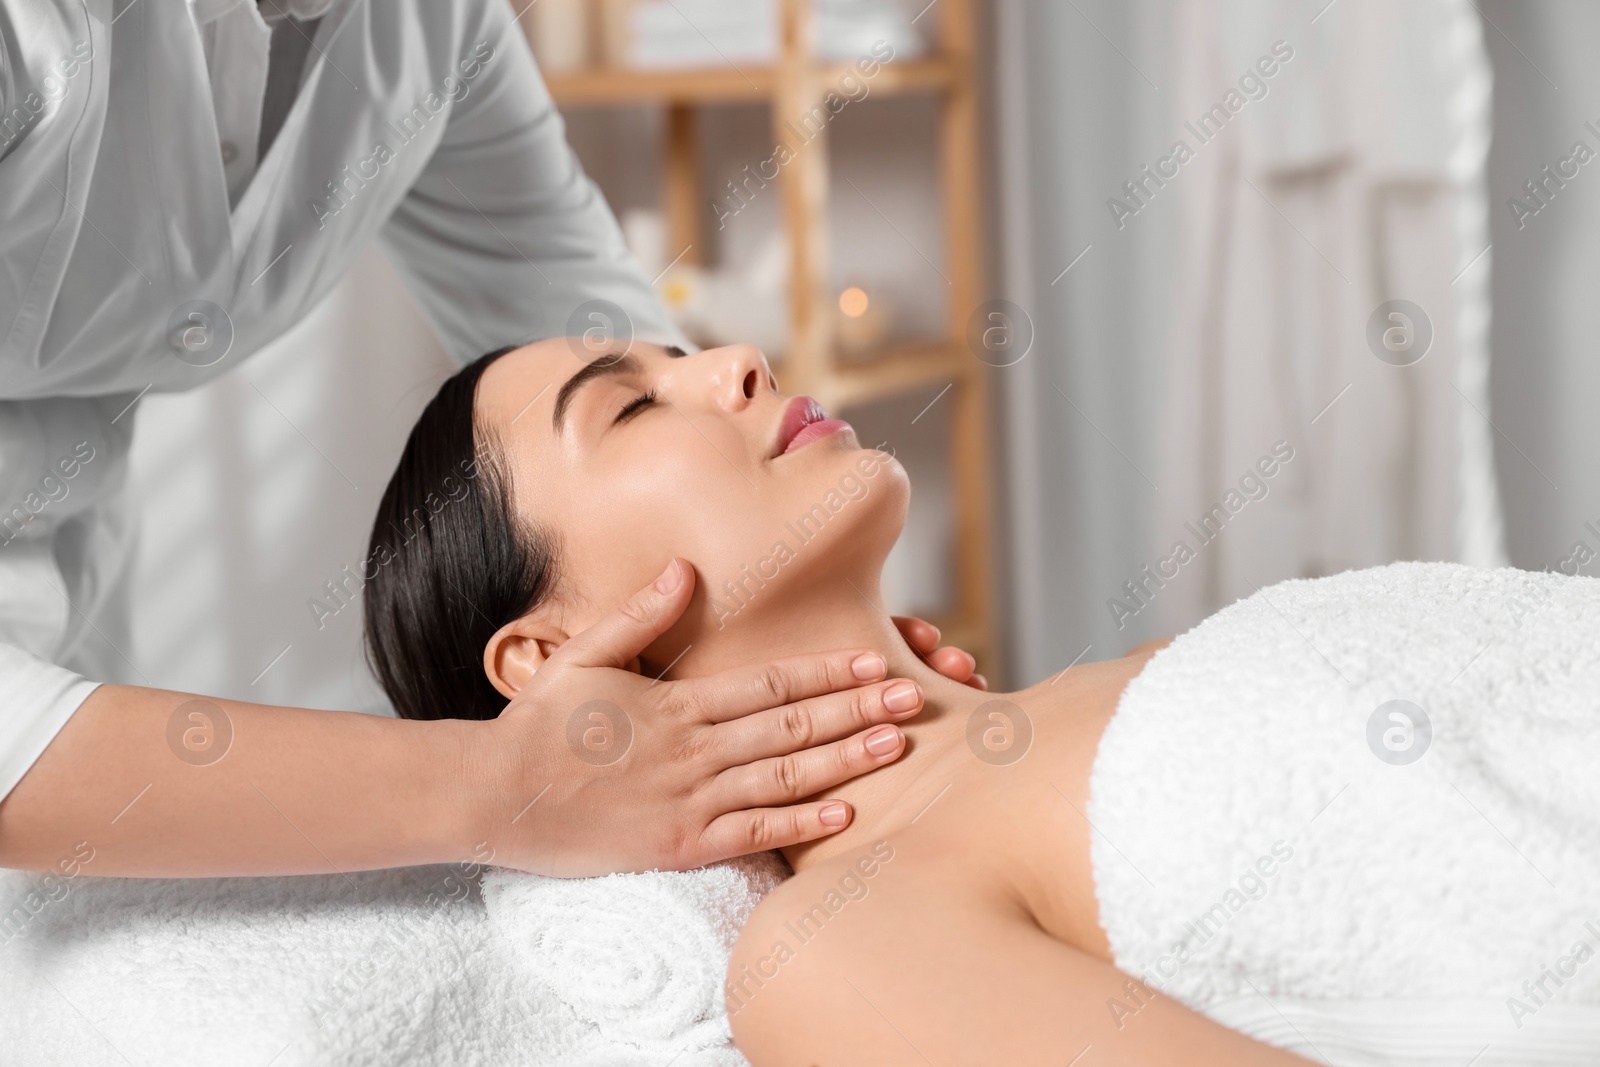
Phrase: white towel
{"type": "Point", "coordinates": [637, 959]}
{"type": "Point", "coordinates": [373, 969]}
{"type": "Point", "coordinates": [714, 33]}
{"type": "Point", "coordinates": [1253, 846]}
{"type": "Point", "coordinates": [378, 967]}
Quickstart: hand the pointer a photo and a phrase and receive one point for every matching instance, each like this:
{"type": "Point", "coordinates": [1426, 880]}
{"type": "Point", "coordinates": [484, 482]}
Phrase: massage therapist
{"type": "Point", "coordinates": [180, 182]}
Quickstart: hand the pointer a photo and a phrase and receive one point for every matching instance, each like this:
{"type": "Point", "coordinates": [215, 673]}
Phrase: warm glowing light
{"type": "Point", "coordinates": [676, 292]}
{"type": "Point", "coordinates": [853, 302]}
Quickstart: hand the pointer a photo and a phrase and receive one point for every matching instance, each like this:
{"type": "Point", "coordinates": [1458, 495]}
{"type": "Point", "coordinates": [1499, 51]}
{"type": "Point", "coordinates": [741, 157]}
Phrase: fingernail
{"type": "Point", "coordinates": [868, 666]}
{"type": "Point", "coordinates": [901, 696]}
{"type": "Point", "coordinates": [670, 579]}
{"type": "Point", "coordinates": [833, 813]}
{"type": "Point", "coordinates": [883, 740]}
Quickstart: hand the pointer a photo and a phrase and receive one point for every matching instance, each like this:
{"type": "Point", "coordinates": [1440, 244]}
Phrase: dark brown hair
{"type": "Point", "coordinates": [453, 561]}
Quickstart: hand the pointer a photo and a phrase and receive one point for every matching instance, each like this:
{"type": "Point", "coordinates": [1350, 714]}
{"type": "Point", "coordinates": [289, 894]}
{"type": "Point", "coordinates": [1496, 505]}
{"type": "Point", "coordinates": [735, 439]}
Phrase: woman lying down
{"type": "Point", "coordinates": [1355, 817]}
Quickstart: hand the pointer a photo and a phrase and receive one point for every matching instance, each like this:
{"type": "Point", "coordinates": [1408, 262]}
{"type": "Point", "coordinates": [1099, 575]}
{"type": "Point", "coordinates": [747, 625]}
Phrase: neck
{"type": "Point", "coordinates": [844, 613]}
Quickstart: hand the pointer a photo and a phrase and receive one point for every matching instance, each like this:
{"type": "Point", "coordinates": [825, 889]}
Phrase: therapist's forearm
{"type": "Point", "coordinates": [297, 791]}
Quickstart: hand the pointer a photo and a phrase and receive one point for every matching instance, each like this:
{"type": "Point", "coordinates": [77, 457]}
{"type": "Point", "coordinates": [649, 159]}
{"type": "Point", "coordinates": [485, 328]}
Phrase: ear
{"type": "Point", "coordinates": [517, 650]}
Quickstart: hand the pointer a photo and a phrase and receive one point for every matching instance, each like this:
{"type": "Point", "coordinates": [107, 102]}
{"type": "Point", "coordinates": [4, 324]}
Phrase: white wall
{"type": "Point", "coordinates": [261, 486]}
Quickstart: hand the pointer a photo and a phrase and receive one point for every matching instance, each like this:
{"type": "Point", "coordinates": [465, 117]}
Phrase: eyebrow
{"type": "Point", "coordinates": [616, 363]}
{"type": "Point", "coordinates": [610, 365]}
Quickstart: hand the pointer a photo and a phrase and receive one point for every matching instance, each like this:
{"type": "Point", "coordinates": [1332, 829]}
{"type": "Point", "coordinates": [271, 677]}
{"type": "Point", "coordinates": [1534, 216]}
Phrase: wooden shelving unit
{"type": "Point", "coordinates": [795, 84]}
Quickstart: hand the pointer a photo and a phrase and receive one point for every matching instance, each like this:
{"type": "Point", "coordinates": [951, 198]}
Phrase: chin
{"type": "Point", "coordinates": [840, 522]}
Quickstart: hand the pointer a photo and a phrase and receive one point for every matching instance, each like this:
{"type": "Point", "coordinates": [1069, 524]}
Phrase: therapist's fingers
{"type": "Point", "coordinates": [788, 778]}
{"type": "Point", "coordinates": [616, 639]}
{"type": "Point", "coordinates": [759, 829]}
{"type": "Point", "coordinates": [741, 691]}
{"type": "Point", "coordinates": [956, 664]}
{"type": "Point", "coordinates": [920, 634]}
{"type": "Point", "coordinates": [815, 721]}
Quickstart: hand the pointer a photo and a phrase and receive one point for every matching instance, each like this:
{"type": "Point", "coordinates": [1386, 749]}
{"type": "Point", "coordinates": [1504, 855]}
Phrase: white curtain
{"type": "Point", "coordinates": [1546, 373]}
{"type": "Point", "coordinates": [1219, 304]}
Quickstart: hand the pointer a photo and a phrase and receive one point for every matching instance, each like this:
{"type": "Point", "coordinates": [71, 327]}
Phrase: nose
{"type": "Point", "coordinates": [739, 374]}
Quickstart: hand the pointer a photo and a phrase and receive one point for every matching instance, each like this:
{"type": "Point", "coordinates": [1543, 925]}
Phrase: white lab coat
{"type": "Point", "coordinates": [420, 123]}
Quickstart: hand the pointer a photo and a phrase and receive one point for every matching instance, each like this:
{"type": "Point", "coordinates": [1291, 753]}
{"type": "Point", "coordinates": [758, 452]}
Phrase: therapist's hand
{"type": "Point", "coordinates": [954, 663]}
{"type": "Point", "coordinates": [594, 768]}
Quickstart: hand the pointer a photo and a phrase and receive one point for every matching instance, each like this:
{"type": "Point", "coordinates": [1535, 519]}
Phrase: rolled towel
{"type": "Point", "coordinates": [638, 959]}
{"type": "Point", "coordinates": [1363, 797]}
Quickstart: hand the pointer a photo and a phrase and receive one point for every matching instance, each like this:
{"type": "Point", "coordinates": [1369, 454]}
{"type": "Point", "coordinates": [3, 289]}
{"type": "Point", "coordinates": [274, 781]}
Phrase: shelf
{"type": "Point", "coordinates": [603, 86]}
{"type": "Point", "coordinates": [900, 370]}
{"type": "Point", "coordinates": [791, 83]}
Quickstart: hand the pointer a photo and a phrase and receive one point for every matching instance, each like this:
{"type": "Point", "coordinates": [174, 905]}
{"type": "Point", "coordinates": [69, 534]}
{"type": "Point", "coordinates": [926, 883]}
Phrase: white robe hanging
{"type": "Point", "coordinates": [1359, 178]}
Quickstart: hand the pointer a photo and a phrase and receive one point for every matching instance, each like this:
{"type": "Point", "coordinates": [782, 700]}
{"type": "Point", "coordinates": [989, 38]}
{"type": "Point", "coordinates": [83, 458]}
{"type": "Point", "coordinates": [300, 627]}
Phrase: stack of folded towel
{"type": "Point", "coordinates": [714, 33]}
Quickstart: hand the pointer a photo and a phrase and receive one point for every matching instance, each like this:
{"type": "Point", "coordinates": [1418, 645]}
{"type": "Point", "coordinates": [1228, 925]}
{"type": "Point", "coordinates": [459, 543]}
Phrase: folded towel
{"type": "Point", "coordinates": [373, 969]}
{"type": "Point", "coordinates": [714, 33]}
{"type": "Point", "coordinates": [1271, 826]}
{"type": "Point", "coordinates": [637, 959]}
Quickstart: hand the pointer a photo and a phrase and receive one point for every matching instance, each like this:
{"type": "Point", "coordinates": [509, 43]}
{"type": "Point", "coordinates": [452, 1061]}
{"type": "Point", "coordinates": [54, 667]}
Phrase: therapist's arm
{"type": "Point", "coordinates": [502, 238]}
{"type": "Point", "coordinates": [301, 791]}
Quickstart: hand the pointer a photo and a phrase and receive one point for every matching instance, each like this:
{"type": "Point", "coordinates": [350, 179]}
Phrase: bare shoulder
{"type": "Point", "coordinates": [1149, 648]}
{"type": "Point", "coordinates": [795, 936]}
{"type": "Point", "coordinates": [902, 953]}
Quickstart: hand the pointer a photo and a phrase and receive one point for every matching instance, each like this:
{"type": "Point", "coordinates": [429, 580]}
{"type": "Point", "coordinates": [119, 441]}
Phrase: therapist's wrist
{"type": "Point", "coordinates": [461, 790]}
{"type": "Point", "coordinates": [501, 768]}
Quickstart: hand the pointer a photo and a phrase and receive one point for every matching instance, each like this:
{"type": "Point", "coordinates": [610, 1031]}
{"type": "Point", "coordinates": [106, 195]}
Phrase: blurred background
{"type": "Point", "coordinates": [1159, 301]}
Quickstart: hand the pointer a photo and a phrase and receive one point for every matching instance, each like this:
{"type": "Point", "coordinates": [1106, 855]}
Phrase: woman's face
{"type": "Point", "coordinates": [629, 459]}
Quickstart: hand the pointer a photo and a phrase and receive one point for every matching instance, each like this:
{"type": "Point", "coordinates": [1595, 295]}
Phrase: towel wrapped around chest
{"type": "Point", "coordinates": [1359, 816]}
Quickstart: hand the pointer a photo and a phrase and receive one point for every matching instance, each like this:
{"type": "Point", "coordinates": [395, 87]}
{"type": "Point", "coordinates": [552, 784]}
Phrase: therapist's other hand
{"type": "Point", "coordinates": [956, 664]}
{"type": "Point", "coordinates": [593, 768]}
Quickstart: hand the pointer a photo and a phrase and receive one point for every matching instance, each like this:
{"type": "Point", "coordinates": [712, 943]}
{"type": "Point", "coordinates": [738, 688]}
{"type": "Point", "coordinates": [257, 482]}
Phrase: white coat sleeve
{"type": "Point", "coordinates": [503, 236]}
{"type": "Point", "coordinates": [36, 700]}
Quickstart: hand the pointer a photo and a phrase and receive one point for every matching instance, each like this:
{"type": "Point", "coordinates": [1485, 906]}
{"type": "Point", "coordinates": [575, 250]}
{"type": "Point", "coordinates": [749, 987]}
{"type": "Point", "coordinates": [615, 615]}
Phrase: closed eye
{"type": "Point", "coordinates": [634, 406]}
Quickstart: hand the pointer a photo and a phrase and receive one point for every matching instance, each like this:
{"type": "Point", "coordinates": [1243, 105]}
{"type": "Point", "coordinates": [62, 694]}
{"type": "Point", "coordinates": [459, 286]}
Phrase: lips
{"type": "Point", "coordinates": [804, 421]}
